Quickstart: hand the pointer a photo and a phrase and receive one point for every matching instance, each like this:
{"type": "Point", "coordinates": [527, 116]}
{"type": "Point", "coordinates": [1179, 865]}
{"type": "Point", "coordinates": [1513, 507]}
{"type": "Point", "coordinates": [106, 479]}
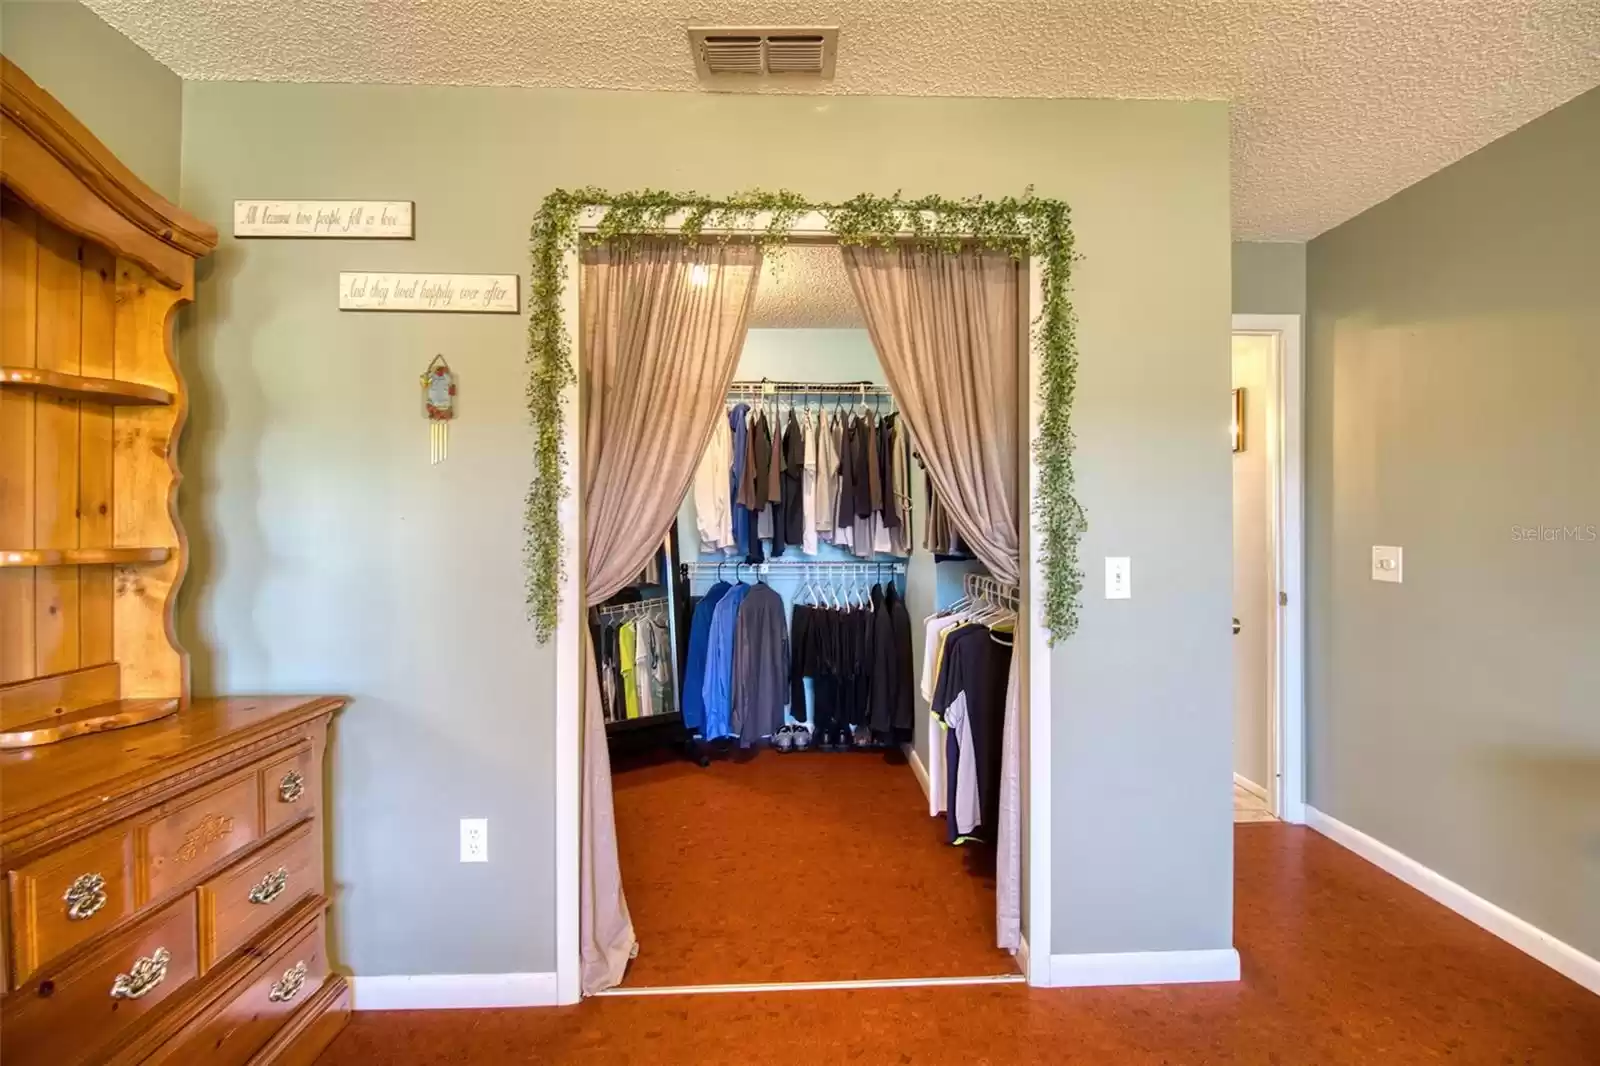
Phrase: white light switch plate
{"type": "Point", "coordinates": [1119, 577]}
{"type": "Point", "coordinates": [474, 840]}
{"type": "Point", "coordinates": [1386, 563]}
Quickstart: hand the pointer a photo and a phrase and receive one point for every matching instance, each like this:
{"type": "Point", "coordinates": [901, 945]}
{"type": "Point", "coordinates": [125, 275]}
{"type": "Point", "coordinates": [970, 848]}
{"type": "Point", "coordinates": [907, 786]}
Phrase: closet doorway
{"type": "Point", "coordinates": [777, 868]}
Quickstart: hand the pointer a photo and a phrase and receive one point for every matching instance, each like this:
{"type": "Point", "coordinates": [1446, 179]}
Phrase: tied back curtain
{"type": "Point", "coordinates": [948, 330]}
{"type": "Point", "coordinates": [661, 327]}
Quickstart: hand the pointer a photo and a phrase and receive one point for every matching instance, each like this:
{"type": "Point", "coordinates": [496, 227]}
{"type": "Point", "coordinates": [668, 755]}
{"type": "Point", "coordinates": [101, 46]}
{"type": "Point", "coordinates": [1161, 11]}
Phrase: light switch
{"type": "Point", "coordinates": [1119, 578]}
{"type": "Point", "coordinates": [1386, 563]}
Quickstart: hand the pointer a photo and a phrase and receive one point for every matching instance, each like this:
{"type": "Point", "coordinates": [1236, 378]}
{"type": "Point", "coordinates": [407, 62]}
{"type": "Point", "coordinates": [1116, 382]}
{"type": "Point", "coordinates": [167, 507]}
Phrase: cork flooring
{"type": "Point", "coordinates": [1343, 966]}
{"type": "Point", "coordinates": [814, 866]}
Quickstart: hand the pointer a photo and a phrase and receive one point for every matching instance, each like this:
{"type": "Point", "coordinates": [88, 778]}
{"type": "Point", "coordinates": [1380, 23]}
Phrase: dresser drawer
{"type": "Point", "coordinates": [72, 1016]}
{"type": "Point", "coordinates": [248, 896]}
{"type": "Point", "coordinates": [198, 831]}
{"type": "Point", "coordinates": [290, 788]}
{"type": "Point", "coordinates": [243, 1023]}
{"type": "Point", "coordinates": [69, 896]}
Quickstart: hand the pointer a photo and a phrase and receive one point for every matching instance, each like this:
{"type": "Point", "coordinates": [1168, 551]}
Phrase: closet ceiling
{"type": "Point", "coordinates": [1338, 104]}
{"type": "Point", "coordinates": [805, 287]}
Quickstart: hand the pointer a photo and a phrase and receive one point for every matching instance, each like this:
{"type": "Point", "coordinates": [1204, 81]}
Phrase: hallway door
{"type": "Point", "coordinates": [1255, 591]}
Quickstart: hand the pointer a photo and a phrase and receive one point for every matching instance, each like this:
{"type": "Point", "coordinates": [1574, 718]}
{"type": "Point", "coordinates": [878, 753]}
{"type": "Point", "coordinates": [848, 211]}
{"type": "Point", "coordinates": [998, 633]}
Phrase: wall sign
{"type": "Point", "coordinates": [490, 293]}
{"type": "Point", "coordinates": [390, 219]}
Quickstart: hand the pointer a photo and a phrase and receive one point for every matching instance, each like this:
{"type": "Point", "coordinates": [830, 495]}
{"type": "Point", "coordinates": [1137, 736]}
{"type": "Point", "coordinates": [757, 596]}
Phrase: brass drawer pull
{"type": "Point", "coordinates": [271, 886]}
{"type": "Point", "coordinates": [85, 897]}
{"type": "Point", "coordinates": [289, 987]}
{"type": "Point", "coordinates": [292, 787]}
{"type": "Point", "coordinates": [145, 975]}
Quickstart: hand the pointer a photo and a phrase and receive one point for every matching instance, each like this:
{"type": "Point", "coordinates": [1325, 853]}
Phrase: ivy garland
{"type": "Point", "coordinates": [1023, 226]}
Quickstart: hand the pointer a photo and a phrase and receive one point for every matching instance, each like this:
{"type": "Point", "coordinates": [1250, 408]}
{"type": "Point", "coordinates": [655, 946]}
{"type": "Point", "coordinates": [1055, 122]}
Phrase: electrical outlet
{"type": "Point", "coordinates": [1119, 577]}
{"type": "Point", "coordinates": [474, 840]}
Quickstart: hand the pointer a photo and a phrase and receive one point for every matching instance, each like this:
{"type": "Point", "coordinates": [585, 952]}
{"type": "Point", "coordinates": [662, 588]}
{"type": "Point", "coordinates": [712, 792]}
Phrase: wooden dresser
{"type": "Point", "coordinates": [165, 896]}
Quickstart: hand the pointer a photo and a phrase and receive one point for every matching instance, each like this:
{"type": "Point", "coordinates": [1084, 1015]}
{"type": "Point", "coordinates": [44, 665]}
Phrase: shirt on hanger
{"type": "Point", "coordinates": [739, 428]}
{"type": "Point", "coordinates": [627, 654]}
{"type": "Point", "coordinates": [713, 509]}
{"type": "Point", "coordinates": [694, 673]}
{"type": "Point", "coordinates": [808, 487]}
{"type": "Point", "coordinates": [719, 681]}
{"type": "Point", "coordinates": [760, 665]}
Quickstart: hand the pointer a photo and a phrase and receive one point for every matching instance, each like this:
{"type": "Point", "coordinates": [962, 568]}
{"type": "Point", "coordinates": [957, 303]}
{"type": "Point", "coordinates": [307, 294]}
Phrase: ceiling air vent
{"type": "Point", "coordinates": [727, 57]}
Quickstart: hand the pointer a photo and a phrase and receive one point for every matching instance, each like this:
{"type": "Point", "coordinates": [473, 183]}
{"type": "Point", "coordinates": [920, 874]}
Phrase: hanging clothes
{"type": "Point", "coordinates": [974, 667]}
{"type": "Point", "coordinates": [793, 483]}
{"type": "Point", "coordinates": [717, 689]}
{"type": "Point", "coordinates": [808, 486]}
{"type": "Point", "coordinates": [760, 665]}
{"type": "Point", "coordinates": [694, 674]}
{"type": "Point", "coordinates": [893, 680]}
{"type": "Point", "coordinates": [739, 510]}
{"type": "Point", "coordinates": [713, 504]}
{"type": "Point", "coordinates": [827, 473]}
{"type": "Point", "coordinates": [627, 653]}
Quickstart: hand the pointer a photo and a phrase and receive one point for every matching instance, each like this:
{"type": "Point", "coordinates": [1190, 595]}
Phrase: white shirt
{"type": "Point", "coordinates": [713, 509]}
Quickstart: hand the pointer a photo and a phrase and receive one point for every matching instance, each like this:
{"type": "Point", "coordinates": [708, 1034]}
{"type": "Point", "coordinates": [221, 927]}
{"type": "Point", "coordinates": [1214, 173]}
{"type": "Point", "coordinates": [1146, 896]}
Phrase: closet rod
{"type": "Point", "coordinates": [637, 610]}
{"type": "Point", "coordinates": [798, 569]}
{"type": "Point", "coordinates": [983, 587]}
{"type": "Point", "coordinates": [865, 388]}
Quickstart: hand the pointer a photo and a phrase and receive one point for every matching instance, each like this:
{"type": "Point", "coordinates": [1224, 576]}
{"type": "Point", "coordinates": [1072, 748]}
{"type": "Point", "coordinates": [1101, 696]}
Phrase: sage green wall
{"type": "Point", "coordinates": [328, 554]}
{"type": "Point", "coordinates": [128, 100]}
{"type": "Point", "coordinates": [1454, 400]}
{"type": "Point", "coordinates": [1269, 278]}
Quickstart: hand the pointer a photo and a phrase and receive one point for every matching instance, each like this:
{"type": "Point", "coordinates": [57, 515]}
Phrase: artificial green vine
{"type": "Point", "coordinates": [1023, 226]}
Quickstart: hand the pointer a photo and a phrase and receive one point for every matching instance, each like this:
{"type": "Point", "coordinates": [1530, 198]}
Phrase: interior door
{"type": "Point", "coordinates": [1254, 584]}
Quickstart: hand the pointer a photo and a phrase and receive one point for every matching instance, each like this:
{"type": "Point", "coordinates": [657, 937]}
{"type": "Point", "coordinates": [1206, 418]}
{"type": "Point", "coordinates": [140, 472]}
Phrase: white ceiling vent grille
{"type": "Point", "coordinates": [727, 58]}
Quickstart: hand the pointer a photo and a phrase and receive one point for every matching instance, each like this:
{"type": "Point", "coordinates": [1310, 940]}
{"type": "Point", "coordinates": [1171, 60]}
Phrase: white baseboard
{"type": "Point", "coordinates": [1250, 787]}
{"type": "Point", "coordinates": [1144, 968]}
{"type": "Point", "coordinates": [917, 768]}
{"type": "Point", "coordinates": [1559, 956]}
{"type": "Point", "coordinates": [449, 991]}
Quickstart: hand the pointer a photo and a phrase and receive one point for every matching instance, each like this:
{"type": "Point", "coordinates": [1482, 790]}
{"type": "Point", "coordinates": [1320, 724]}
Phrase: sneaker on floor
{"type": "Point", "coordinates": [801, 737]}
{"type": "Point", "coordinates": [783, 738]}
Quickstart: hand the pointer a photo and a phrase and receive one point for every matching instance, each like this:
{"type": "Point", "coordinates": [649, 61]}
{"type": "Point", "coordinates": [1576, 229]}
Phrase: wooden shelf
{"type": "Point", "coordinates": [82, 556]}
{"type": "Point", "coordinates": [96, 719]}
{"type": "Point", "coordinates": [73, 387]}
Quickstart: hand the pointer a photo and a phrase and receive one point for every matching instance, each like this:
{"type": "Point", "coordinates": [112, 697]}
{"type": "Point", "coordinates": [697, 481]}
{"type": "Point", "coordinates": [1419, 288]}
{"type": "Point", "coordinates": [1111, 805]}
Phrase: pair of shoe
{"type": "Point", "coordinates": [792, 737]}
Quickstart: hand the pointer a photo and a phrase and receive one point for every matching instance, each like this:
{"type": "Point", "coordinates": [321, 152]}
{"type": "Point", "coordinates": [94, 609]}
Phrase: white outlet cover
{"type": "Point", "coordinates": [1387, 563]}
{"type": "Point", "coordinates": [1119, 577]}
{"type": "Point", "coordinates": [474, 840]}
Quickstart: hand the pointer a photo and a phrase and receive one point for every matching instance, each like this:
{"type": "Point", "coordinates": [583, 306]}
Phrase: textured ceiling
{"type": "Point", "coordinates": [804, 287]}
{"type": "Point", "coordinates": [1338, 104]}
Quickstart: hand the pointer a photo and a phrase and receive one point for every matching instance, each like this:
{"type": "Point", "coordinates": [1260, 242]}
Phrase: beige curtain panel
{"type": "Point", "coordinates": [948, 330]}
{"type": "Point", "coordinates": [661, 327]}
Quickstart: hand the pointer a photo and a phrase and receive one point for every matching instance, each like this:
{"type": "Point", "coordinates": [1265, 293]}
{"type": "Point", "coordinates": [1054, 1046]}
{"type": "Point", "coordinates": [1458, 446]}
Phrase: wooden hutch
{"type": "Point", "coordinates": [164, 893]}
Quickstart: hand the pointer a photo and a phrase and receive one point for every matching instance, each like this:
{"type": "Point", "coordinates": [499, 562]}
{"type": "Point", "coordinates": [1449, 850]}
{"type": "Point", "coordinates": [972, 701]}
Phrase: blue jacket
{"type": "Point", "coordinates": [694, 679]}
{"type": "Point", "coordinates": [741, 441]}
{"type": "Point", "coordinates": [719, 665]}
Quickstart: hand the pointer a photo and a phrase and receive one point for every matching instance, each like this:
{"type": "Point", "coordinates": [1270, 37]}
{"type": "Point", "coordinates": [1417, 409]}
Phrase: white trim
{"type": "Point", "coordinates": [1036, 704]}
{"type": "Point", "coordinates": [1288, 794]}
{"type": "Point", "coordinates": [917, 768]}
{"type": "Point", "coordinates": [1249, 786]}
{"type": "Point", "coordinates": [452, 991]}
{"type": "Point", "coordinates": [817, 986]}
{"type": "Point", "coordinates": [937, 790]}
{"type": "Point", "coordinates": [569, 667]}
{"type": "Point", "coordinates": [1522, 935]}
{"type": "Point", "coordinates": [1144, 968]}
{"type": "Point", "coordinates": [1037, 893]}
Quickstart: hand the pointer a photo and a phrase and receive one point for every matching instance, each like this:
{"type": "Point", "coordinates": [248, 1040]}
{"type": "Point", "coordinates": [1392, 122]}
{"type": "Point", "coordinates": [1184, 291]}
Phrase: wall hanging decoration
{"type": "Point", "coordinates": [439, 405]}
{"type": "Point", "coordinates": [361, 290]}
{"type": "Point", "coordinates": [1025, 226]}
{"type": "Point", "coordinates": [353, 219]}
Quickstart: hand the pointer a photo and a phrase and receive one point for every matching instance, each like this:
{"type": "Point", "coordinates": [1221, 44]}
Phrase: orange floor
{"type": "Point", "coordinates": [806, 867]}
{"type": "Point", "coordinates": [1343, 966]}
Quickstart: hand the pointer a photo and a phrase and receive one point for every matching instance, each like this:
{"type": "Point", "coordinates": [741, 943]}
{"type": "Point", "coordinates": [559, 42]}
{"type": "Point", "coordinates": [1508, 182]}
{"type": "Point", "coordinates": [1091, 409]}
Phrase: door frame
{"type": "Point", "coordinates": [1286, 463]}
{"type": "Point", "coordinates": [1034, 647]}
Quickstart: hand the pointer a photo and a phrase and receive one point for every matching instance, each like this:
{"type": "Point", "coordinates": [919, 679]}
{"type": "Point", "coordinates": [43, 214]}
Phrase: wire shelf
{"type": "Point", "coordinates": [986, 589]}
{"type": "Point", "coordinates": [642, 609]}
